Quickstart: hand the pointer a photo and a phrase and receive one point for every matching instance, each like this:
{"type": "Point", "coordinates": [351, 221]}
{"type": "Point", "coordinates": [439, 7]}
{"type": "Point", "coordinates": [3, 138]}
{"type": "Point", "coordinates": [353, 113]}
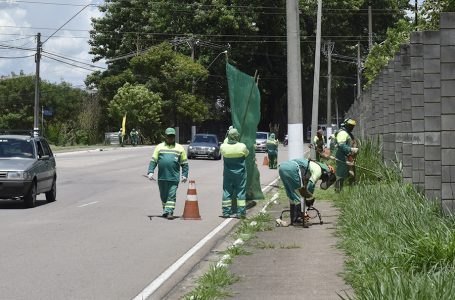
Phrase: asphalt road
{"type": "Point", "coordinates": [96, 241]}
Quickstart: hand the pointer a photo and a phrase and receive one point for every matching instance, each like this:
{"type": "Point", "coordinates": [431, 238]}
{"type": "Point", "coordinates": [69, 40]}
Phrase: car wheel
{"type": "Point", "coordinates": [30, 198]}
{"type": "Point", "coordinates": [52, 194]}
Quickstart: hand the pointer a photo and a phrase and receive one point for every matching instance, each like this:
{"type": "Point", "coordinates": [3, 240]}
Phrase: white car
{"type": "Point", "coordinates": [261, 140]}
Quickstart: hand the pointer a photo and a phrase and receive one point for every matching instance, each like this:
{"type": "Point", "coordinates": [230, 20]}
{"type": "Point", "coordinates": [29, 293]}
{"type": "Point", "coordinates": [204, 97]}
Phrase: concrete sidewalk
{"type": "Point", "coordinates": [292, 262]}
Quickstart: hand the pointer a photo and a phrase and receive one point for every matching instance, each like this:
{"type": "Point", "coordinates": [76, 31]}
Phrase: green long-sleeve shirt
{"type": "Point", "coordinates": [169, 159]}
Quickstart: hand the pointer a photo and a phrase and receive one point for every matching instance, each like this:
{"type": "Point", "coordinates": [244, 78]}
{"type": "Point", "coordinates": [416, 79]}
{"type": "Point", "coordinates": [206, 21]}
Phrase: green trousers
{"type": "Point", "coordinates": [234, 188]}
{"type": "Point", "coordinates": [273, 159]}
{"type": "Point", "coordinates": [289, 174]}
{"type": "Point", "coordinates": [168, 195]}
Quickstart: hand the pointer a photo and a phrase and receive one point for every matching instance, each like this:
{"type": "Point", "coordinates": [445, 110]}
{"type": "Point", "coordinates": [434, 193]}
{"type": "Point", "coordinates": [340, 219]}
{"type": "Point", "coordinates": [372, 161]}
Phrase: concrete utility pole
{"type": "Point", "coordinates": [359, 72]}
{"type": "Point", "coordinates": [37, 85]}
{"type": "Point", "coordinates": [328, 49]}
{"type": "Point", "coordinates": [370, 28]}
{"type": "Point", "coordinates": [317, 64]}
{"type": "Point", "coordinates": [295, 124]}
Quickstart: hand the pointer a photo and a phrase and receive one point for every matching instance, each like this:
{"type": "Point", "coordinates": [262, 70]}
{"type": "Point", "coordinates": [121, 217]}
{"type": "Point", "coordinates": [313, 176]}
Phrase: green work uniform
{"type": "Point", "coordinates": [169, 159]}
{"type": "Point", "coordinates": [272, 152]}
{"type": "Point", "coordinates": [134, 137]}
{"type": "Point", "coordinates": [291, 175]}
{"type": "Point", "coordinates": [318, 143]}
{"type": "Point", "coordinates": [344, 142]}
{"type": "Point", "coordinates": [234, 177]}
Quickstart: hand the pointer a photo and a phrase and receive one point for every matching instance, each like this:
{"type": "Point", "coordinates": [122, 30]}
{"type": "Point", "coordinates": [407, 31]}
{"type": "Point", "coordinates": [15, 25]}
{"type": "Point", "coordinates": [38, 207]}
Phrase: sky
{"type": "Point", "coordinates": [21, 20]}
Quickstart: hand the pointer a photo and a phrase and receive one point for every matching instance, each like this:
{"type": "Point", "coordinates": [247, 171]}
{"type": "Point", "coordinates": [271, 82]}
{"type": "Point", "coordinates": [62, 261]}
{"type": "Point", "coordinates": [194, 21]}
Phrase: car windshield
{"type": "Point", "coordinates": [209, 139]}
{"type": "Point", "coordinates": [261, 136]}
{"type": "Point", "coordinates": [16, 148]}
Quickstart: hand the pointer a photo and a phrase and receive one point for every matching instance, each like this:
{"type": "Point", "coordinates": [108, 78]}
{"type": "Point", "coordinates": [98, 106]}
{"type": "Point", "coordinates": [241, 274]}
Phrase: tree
{"type": "Point", "coordinates": [142, 107]}
{"type": "Point", "coordinates": [171, 74]}
{"type": "Point", "coordinates": [256, 32]}
{"type": "Point", "coordinates": [380, 54]}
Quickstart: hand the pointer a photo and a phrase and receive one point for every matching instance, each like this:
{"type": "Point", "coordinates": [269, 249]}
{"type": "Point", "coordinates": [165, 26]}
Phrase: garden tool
{"type": "Point", "coordinates": [357, 166]}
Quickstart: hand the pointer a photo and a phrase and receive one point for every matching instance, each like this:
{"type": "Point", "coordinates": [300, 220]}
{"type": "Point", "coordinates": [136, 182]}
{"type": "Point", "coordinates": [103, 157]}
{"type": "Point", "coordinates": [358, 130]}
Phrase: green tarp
{"type": "Point", "coordinates": [245, 101]}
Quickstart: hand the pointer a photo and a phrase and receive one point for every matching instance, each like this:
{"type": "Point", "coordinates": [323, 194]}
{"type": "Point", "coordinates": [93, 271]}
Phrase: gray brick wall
{"type": "Point", "coordinates": [432, 112]}
{"type": "Point", "coordinates": [406, 117]}
{"type": "Point", "coordinates": [417, 110]}
{"type": "Point", "coordinates": [447, 66]}
{"type": "Point", "coordinates": [410, 109]}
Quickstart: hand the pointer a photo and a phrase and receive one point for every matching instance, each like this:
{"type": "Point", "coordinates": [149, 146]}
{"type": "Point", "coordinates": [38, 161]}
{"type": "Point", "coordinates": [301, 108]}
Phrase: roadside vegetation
{"type": "Point", "coordinates": [214, 283]}
{"type": "Point", "coordinates": [398, 243]}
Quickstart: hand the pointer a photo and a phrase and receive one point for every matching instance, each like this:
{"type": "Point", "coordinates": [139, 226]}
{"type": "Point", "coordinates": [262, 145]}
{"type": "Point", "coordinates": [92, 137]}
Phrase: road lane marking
{"type": "Point", "coordinates": [88, 204]}
{"type": "Point", "coordinates": [155, 284]}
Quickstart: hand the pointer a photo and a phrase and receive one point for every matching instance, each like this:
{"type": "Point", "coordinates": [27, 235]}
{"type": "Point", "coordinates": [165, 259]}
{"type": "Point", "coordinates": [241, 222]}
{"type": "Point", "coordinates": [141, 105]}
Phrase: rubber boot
{"type": "Point", "coordinates": [297, 215]}
{"type": "Point", "coordinates": [292, 214]}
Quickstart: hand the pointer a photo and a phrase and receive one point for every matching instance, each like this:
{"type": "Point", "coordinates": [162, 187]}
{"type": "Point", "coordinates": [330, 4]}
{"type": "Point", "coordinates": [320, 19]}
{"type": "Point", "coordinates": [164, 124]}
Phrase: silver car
{"type": "Point", "coordinates": [27, 168]}
{"type": "Point", "coordinates": [261, 140]}
{"type": "Point", "coordinates": [204, 145]}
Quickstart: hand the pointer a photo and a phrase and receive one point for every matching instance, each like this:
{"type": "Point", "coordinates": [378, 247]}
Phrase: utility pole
{"type": "Point", "coordinates": [295, 119]}
{"type": "Point", "coordinates": [370, 27]}
{"type": "Point", "coordinates": [359, 72]}
{"type": "Point", "coordinates": [317, 64]}
{"type": "Point", "coordinates": [37, 85]}
{"type": "Point", "coordinates": [328, 49]}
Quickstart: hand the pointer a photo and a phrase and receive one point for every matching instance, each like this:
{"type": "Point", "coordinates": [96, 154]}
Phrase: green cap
{"type": "Point", "coordinates": [170, 131]}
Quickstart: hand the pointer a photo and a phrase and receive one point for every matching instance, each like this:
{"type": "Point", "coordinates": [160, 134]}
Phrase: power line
{"type": "Point", "coordinates": [65, 23]}
{"type": "Point", "coordinates": [14, 47]}
{"type": "Point", "coordinates": [14, 57]}
{"type": "Point", "coordinates": [73, 60]}
{"type": "Point", "coordinates": [67, 63]}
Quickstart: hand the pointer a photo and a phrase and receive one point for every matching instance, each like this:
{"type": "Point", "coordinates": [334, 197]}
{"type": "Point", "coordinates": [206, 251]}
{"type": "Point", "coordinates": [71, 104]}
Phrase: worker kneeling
{"type": "Point", "coordinates": [299, 177]}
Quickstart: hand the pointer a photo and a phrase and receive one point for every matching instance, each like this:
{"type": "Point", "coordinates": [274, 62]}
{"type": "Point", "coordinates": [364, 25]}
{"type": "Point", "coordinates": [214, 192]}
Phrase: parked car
{"type": "Point", "coordinates": [204, 145]}
{"type": "Point", "coordinates": [261, 140]}
{"type": "Point", "coordinates": [27, 168]}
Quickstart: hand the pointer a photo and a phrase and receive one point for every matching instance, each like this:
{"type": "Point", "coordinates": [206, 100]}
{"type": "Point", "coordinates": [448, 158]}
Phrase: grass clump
{"type": "Point", "coordinates": [212, 285]}
{"type": "Point", "coordinates": [236, 250]}
{"type": "Point", "coordinates": [290, 246]}
{"type": "Point", "coordinates": [398, 244]}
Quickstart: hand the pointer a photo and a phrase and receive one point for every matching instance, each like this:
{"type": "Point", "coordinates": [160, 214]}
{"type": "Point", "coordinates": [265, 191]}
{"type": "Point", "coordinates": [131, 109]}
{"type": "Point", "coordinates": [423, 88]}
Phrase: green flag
{"type": "Point", "coordinates": [245, 101]}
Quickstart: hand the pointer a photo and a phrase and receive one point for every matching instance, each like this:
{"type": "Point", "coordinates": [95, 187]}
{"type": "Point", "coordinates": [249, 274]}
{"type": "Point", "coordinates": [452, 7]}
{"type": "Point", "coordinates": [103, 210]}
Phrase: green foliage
{"type": "Point", "coordinates": [370, 157]}
{"type": "Point", "coordinates": [17, 109]}
{"type": "Point", "coordinates": [171, 75]}
{"type": "Point", "coordinates": [142, 107]}
{"type": "Point", "coordinates": [398, 244]}
{"type": "Point", "coordinates": [380, 54]}
{"type": "Point", "coordinates": [212, 285]}
{"type": "Point", "coordinates": [431, 11]}
{"type": "Point", "coordinates": [130, 26]}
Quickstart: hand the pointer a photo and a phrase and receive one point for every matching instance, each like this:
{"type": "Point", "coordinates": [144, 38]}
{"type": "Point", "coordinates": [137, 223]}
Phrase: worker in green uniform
{"type": "Point", "coordinates": [272, 151]}
{"type": "Point", "coordinates": [346, 148]}
{"type": "Point", "coordinates": [134, 137]}
{"type": "Point", "coordinates": [169, 156]}
{"type": "Point", "coordinates": [299, 177]}
{"type": "Point", "coordinates": [227, 133]}
{"type": "Point", "coordinates": [234, 175]}
{"type": "Point", "coordinates": [318, 144]}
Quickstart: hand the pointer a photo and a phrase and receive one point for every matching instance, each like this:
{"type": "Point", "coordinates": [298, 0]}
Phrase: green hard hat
{"type": "Point", "coordinates": [170, 131]}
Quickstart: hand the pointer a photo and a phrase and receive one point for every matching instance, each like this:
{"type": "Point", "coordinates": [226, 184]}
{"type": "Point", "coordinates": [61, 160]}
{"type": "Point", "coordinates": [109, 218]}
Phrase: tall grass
{"type": "Point", "coordinates": [370, 157]}
{"type": "Point", "coordinates": [398, 244]}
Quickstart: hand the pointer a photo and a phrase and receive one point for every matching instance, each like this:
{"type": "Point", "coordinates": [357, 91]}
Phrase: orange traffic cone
{"type": "Point", "coordinates": [266, 160]}
{"type": "Point", "coordinates": [191, 210]}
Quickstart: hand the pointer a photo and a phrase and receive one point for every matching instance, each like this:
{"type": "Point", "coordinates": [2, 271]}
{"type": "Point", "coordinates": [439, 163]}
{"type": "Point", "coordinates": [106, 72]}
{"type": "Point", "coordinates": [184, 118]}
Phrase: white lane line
{"type": "Point", "coordinates": [155, 284]}
{"type": "Point", "coordinates": [88, 204]}
{"type": "Point", "coordinates": [268, 203]}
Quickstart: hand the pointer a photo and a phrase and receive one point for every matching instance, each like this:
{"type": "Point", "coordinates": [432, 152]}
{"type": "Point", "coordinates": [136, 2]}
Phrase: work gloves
{"type": "Point", "coordinates": [184, 179]}
{"type": "Point", "coordinates": [150, 176]}
{"type": "Point", "coordinates": [354, 150]}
